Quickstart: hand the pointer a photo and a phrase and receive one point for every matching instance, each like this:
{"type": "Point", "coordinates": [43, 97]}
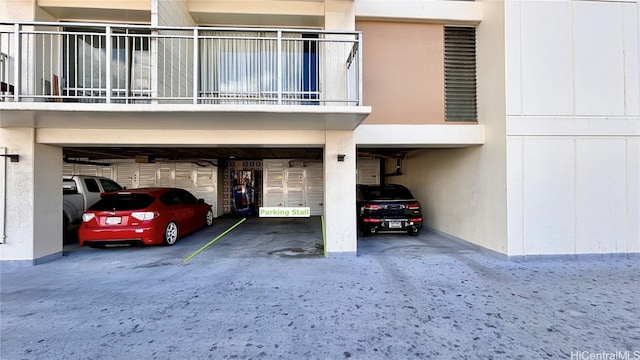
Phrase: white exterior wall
{"type": "Point", "coordinates": [463, 191]}
{"type": "Point", "coordinates": [573, 127]}
{"type": "Point", "coordinates": [174, 13]}
{"type": "Point", "coordinates": [18, 10]}
{"type": "Point", "coordinates": [339, 194]}
{"type": "Point", "coordinates": [177, 81]}
{"type": "Point", "coordinates": [32, 214]}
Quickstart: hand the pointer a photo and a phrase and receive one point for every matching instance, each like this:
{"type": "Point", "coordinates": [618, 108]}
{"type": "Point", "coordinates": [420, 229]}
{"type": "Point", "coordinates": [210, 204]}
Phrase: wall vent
{"type": "Point", "coordinates": [460, 73]}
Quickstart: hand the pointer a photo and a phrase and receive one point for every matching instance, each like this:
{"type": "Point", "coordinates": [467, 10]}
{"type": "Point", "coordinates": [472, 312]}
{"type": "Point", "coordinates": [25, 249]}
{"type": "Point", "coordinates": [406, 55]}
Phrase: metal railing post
{"type": "Point", "coordinates": [109, 50]}
{"type": "Point", "coordinates": [154, 64]}
{"type": "Point", "coordinates": [359, 69]}
{"type": "Point", "coordinates": [279, 70]}
{"type": "Point", "coordinates": [196, 68]}
{"type": "Point", "coordinates": [17, 82]}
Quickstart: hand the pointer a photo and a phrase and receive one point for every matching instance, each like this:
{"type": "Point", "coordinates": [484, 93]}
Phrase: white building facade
{"type": "Point", "coordinates": [546, 162]}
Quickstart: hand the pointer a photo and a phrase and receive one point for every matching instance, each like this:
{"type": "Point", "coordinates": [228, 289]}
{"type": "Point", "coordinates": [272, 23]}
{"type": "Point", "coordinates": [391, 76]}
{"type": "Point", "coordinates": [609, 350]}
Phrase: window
{"type": "Point", "coordinates": [460, 73]}
{"type": "Point", "coordinates": [92, 185]}
{"type": "Point", "coordinates": [242, 67]}
{"type": "Point", "coordinates": [186, 197]}
{"type": "Point", "coordinates": [69, 187]}
{"type": "Point", "coordinates": [171, 198]}
{"type": "Point", "coordinates": [178, 197]}
{"type": "Point", "coordinates": [110, 185]}
{"type": "Point", "coordinates": [121, 202]}
{"type": "Point", "coordinates": [85, 64]}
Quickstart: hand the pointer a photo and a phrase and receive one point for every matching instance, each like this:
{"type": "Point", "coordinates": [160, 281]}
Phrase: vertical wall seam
{"type": "Point", "coordinates": [573, 60]}
{"type": "Point", "coordinates": [575, 196]}
{"type": "Point", "coordinates": [522, 187]}
{"type": "Point", "coordinates": [627, 209]}
{"type": "Point", "coordinates": [520, 66]}
{"type": "Point", "coordinates": [624, 63]}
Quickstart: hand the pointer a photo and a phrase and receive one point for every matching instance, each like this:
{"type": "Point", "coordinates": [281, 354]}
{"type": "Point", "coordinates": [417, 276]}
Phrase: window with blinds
{"type": "Point", "coordinates": [460, 73]}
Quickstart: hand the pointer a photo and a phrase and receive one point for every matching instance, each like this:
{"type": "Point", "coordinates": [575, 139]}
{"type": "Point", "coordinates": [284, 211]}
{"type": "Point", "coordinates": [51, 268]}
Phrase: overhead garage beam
{"type": "Point", "coordinates": [119, 137]}
{"type": "Point", "coordinates": [181, 116]}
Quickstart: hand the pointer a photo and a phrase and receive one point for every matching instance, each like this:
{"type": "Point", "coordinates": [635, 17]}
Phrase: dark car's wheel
{"type": "Point", "coordinates": [170, 234]}
{"type": "Point", "coordinates": [415, 231]}
{"type": "Point", "coordinates": [209, 220]}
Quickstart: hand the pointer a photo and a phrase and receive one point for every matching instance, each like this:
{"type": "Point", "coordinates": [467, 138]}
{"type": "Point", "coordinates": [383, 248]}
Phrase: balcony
{"type": "Point", "coordinates": [51, 72]}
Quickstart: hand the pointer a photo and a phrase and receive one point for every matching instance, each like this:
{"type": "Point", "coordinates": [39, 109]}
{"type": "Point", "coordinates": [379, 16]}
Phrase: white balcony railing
{"type": "Point", "coordinates": [98, 63]}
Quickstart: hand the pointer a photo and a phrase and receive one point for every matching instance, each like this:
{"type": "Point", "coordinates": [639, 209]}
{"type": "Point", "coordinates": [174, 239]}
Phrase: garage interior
{"type": "Point", "coordinates": [287, 176]}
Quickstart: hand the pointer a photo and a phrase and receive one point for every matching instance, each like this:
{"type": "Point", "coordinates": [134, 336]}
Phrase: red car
{"type": "Point", "coordinates": [143, 216]}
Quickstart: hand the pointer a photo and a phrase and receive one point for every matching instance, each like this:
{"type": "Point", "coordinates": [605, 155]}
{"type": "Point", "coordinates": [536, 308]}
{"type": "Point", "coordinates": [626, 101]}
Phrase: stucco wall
{"type": "Point", "coordinates": [339, 194]}
{"type": "Point", "coordinates": [173, 13]}
{"type": "Point", "coordinates": [47, 200]}
{"type": "Point", "coordinates": [403, 73]}
{"type": "Point", "coordinates": [573, 125]}
{"type": "Point", "coordinates": [463, 191]}
{"type": "Point", "coordinates": [33, 216]}
{"type": "Point", "coordinates": [176, 81]}
{"type": "Point", "coordinates": [19, 195]}
{"type": "Point", "coordinates": [18, 10]}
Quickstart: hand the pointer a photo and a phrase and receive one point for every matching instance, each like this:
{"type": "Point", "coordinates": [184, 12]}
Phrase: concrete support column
{"type": "Point", "coordinates": [33, 199]}
{"type": "Point", "coordinates": [339, 15]}
{"type": "Point", "coordinates": [340, 193]}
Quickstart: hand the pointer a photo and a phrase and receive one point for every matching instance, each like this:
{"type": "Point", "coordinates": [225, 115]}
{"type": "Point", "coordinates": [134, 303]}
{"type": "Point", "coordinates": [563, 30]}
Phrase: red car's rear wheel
{"type": "Point", "coordinates": [209, 220]}
{"type": "Point", "coordinates": [170, 234]}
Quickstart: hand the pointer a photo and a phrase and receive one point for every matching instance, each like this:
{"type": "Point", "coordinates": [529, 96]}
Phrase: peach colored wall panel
{"type": "Point", "coordinates": [403, 72]}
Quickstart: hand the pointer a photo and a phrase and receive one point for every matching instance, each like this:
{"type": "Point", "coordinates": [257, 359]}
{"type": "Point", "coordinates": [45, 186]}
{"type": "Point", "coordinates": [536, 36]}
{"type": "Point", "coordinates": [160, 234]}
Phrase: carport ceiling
{"type": "Point", "coordinates": [223, 153]}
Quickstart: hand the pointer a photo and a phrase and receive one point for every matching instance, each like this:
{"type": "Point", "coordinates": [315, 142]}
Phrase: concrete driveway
{"type": "Point", "coordinates": [264, 291]}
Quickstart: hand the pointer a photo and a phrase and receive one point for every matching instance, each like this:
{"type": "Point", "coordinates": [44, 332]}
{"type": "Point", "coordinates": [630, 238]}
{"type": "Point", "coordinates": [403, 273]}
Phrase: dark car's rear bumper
{"type": "Point", "coordinates": [372, 225]}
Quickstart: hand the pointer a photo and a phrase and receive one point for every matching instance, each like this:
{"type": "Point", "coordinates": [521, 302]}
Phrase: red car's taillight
{"type": "Point", "coordinates": [146, 215]}
{"type": "Point", "coordinates": [86, 217]}
{"type": "Point", "coordinates": [371, 207]}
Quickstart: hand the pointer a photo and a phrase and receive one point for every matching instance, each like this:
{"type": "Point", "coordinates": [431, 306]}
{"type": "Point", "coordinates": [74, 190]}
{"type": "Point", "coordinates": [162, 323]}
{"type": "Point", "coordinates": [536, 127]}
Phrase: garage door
{"type": "Point", "coordinates": [368, 171]}
{"type": "Point", "coordinates": [200, 181]}
{"type": "Point", "coordinates": [294, 184]}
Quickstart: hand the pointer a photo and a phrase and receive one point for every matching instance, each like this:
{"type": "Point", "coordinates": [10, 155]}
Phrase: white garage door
{"type": "Point", "coordinates": [368, 171]}
{"type": "Point", "coordinates": [301, 184]}
{"type": "Point", "coordinates": [200, 181]}
{"type": "Point", "coordinates": [315, 187]}
{"type": "Point", "coordinates": [273, 183]}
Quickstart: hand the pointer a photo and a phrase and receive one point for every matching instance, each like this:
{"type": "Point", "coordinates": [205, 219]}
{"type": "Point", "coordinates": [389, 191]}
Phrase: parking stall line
{"type": "Point", "coordinates": [212, 241]}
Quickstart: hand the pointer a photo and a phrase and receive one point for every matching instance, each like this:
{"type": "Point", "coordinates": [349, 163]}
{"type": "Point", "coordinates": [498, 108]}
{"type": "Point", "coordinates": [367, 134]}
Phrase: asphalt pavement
{"type": "Point", "coordinates": [265, 291]}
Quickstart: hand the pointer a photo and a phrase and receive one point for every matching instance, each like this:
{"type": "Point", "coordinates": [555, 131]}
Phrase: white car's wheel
{"type": "Point", "coordinates": [171, 234]}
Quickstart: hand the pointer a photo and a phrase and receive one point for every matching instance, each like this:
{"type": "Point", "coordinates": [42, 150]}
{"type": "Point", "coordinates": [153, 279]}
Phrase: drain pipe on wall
{"type": "Point", "coordinates": [3, 196]}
